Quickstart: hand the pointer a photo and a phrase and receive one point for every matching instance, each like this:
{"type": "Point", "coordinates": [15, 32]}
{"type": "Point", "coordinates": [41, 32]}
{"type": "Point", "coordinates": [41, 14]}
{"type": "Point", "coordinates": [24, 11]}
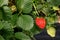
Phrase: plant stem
{"type": "Point", "coordinates": [35, 9]}
{"type": "Point", "coordinates": [20, 12]}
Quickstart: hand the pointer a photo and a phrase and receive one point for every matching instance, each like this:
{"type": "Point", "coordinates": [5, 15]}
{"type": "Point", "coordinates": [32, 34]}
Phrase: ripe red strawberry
{"type": "Point", "coordinates": [40, 22]}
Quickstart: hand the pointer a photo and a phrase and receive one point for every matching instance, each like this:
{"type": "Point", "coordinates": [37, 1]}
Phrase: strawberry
{"type": "Point", "coordinates": [40, 22]}
{"type": "Point", "coordinates": [51, 31]}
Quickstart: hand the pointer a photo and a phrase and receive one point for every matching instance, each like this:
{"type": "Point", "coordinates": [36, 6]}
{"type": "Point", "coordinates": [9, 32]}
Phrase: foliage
{"type": "Point", "coordinates": [17, 17]}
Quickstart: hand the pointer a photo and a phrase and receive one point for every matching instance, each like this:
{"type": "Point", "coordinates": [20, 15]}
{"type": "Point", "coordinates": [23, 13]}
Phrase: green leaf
{"type": "Point", "coordinates": [1, 38]}
{"type": "Point", "coordinates": [35, 30]}
{"type": "Point", "coordinates": [7, 13]}
{"type": "Point", "coordinates": [25, 22]}
{"type": "Point", "coordinates": [22, 36]}
{"type": "Point", "coordinates": [1, 25]}
{"type": "Point", "coordinates": [3, 2]}
{"type": "Point", "coordinates": [7, 34]}
{"type": "Point", "coordinates": [39, 6]}
{"type": "Point", "coordinates": [14, 19]}
{"type": "Point", "coordinates": [45, 11]}
{"type": "Point", "coordinates": [54, 2]}
{"type": "Point", "coordinates": [24, 5]}
{"type": "Point", "coordinates": [7, 10]}
{"type": "Point", "coordinates": [8, 26]}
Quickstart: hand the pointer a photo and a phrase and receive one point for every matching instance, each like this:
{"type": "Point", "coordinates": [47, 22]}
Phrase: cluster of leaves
{"type": "Point", "coordinates": [17, 17]}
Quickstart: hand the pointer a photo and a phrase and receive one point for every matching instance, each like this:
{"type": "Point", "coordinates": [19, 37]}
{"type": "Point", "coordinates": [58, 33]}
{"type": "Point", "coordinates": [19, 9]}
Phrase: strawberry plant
{"type": "Point", "coordinates": [22, 19]}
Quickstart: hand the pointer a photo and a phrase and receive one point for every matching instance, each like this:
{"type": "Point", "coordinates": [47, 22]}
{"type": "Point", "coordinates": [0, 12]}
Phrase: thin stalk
{"type": "Point", "coordinates": [35, 9]}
